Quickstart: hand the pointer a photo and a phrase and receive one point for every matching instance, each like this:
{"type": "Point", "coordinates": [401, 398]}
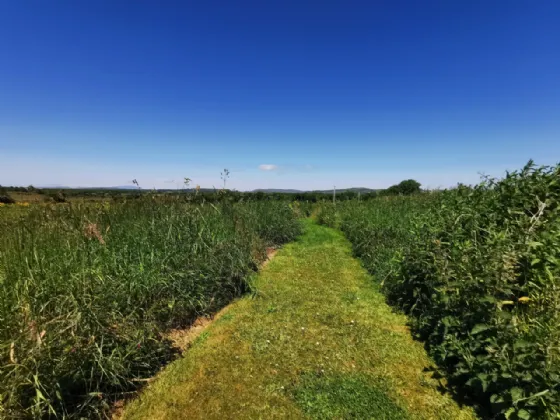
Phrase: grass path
{"type": "Point", "coordinates": [315, 339]}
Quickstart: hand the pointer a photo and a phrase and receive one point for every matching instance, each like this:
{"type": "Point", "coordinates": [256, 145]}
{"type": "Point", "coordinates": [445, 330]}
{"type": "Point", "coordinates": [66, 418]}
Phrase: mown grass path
{"type": "Point", "coordinates": [315, 339]}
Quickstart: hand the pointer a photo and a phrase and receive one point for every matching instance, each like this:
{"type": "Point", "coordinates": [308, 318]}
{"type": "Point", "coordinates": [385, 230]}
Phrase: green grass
{"type": "Point", "coordinates": [345, 396]}
{"type": "Point", "coordinates": [87, 291]}
{"type": "Point", "coordinates": [315, 339]}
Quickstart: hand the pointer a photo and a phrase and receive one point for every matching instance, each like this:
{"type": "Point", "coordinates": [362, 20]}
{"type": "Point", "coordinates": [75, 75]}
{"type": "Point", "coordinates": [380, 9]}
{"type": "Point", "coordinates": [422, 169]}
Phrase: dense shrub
{"type": "Point", "coordinates": [87, 289]}
{"type": "Point", "coordinates": [6, 199]}
{"type": "Point", "coordinates": [406, 187]}
{"type": "Point", "coordinates": [478, 270]}
{"type": "Point", "coordinates": [58, 197]}
{"type": "Point", "coordinates": [481, 277]}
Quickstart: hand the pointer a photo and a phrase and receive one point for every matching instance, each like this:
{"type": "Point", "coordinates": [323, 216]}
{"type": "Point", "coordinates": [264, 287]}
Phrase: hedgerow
{"type": "Point", "coordinates": [478, 271]}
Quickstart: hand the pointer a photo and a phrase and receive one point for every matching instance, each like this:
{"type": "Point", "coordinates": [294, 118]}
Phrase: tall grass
{"type": "Point", "coordinates": [87, 289]}
{"type": "Point", "coordinates": [478, 271]}
{"type": "Point", "coordinates": [376, 228]}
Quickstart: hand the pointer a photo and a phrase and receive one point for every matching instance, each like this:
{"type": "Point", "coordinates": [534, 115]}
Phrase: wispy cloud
{"type": "Point", "coordinates": [268, 167]}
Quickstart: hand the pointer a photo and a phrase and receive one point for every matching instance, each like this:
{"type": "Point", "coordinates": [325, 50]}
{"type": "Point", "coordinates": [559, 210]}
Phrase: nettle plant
{"type": "Point", "coordinates": [481, 279]}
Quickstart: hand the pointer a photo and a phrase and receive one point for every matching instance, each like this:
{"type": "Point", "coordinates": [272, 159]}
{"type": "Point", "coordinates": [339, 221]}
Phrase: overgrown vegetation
{"type": "Point", "coordinates": [314, 340]}
{"type": "Point", "coordinates": [478, 271]}
{"type": "Point", "coordinates": [87, 289]}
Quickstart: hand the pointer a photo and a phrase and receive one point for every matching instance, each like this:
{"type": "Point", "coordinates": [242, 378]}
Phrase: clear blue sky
{"type": "Point", "coordinates": [351, 93]}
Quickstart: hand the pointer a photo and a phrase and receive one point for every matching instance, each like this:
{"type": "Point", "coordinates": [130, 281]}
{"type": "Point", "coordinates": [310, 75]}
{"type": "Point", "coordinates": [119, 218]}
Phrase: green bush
{"type": "Point", "coordinates": [478, 271]}
{"type": "Point", "coordinates": [86, 291]}
{"type": "Point", "coordinates": [481, 279]}
{"type": "Point", "coordinates": [58, 197]}
{"type": "Point", "coordinates": [6, 199]}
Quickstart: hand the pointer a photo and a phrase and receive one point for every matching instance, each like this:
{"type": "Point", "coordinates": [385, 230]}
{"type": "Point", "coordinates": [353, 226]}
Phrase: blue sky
{"type": "Point", "coordinates": [286, 94]}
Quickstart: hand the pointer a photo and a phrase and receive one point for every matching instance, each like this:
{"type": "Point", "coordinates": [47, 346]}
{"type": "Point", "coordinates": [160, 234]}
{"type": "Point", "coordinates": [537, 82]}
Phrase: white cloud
{"type": "Point", "coordinates": [268, 167]}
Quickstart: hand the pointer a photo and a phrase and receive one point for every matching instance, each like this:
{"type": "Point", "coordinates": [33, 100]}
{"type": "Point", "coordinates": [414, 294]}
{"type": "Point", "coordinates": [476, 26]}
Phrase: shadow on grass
{"type": "Point", "coordinates": [345, 396]}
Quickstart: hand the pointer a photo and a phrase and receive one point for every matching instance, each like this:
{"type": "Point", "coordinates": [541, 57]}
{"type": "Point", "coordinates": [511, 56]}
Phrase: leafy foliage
{"type": "Point", "coordinates": [478, 270]}
{"type": "Point", "coordinates": [406, 187]}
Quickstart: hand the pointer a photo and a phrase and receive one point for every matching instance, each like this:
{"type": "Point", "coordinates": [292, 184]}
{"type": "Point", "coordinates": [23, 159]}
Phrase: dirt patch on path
{"type": "Point", "coordinates": [270, 253]}
{"type": "Point", "coordinates": [182, 338]}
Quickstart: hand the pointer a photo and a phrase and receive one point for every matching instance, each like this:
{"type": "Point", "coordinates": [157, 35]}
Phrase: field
{"type": "Point", "coordinates": [88, 291]}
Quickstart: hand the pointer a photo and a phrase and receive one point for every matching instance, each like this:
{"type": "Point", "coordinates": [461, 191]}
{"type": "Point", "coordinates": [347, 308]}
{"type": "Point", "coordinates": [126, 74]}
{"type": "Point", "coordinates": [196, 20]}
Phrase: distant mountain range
{"type": "Point", "coordinates": [277, 190]}
{"type": "Point", "coordinates": [288, 191]}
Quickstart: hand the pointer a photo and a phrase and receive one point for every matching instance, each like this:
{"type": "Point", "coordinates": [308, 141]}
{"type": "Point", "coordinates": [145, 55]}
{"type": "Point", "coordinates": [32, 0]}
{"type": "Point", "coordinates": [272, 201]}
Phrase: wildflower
{"type": "Point", "coordinates": [2, 204]}
{"type": "Point", "coordinates": [524, 299]}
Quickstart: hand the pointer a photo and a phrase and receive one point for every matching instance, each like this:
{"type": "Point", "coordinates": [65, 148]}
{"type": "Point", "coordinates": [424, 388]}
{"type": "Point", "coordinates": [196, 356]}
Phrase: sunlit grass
{"type": "Point", "coordinates": [86, 290]}
{"type": "Point", "coordinates": [315, 321]}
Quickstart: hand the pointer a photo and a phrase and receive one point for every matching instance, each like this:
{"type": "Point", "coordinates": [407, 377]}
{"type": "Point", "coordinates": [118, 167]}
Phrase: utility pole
{"type": "Point", "coordinates": [334, 194]}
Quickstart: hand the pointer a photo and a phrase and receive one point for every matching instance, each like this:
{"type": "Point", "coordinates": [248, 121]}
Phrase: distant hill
{"type": "Point", "coordinates": [277, 190]}
{"type": "Point", "coordinates": [120, 187]}
{"type": "Point", "coordinates": [289, 191]}
{"type": "Point", "coordinates": [354, 189]}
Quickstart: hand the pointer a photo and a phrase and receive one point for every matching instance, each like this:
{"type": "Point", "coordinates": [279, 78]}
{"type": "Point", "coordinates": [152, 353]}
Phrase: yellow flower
{"type": "Point", "coordinates": [524, 299]}
{"type": "Point", "coordinates": [2, 204]}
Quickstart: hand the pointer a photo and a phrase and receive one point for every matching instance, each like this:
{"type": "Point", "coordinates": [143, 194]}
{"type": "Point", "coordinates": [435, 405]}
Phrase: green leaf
{"type": "Point", "coordinates": [516, 394]}
{"type": "Point", "coordinates": [524, 414]}
{"type": "Point", "coordinates": [520, 344]}
{"type": "Point", "coordinates": [509, 412]}
{"type": "Point", "coordinates": [496, 399]}
{"type": "Point", "coordinates": [478, 328]}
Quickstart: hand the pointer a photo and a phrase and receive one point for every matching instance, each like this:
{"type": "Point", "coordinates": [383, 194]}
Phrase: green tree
{"type": "Point", "coordinates": [406, 187]}
{"type": "Point", "coordinates": [409, 186]}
